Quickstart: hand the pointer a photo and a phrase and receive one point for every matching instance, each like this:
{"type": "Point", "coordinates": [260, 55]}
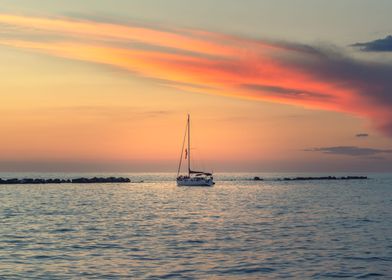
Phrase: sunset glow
{"type": "Point", "coordinates": [153, 75]}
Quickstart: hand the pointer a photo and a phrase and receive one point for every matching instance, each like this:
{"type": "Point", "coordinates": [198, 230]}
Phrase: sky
{"type": "Point", "coordinates": [271, 86]}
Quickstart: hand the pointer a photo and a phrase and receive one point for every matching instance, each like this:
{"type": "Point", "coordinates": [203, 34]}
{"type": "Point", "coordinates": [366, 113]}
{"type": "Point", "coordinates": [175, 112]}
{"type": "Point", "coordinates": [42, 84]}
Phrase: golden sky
{"type": "Point", "coordinates": [82, 93]}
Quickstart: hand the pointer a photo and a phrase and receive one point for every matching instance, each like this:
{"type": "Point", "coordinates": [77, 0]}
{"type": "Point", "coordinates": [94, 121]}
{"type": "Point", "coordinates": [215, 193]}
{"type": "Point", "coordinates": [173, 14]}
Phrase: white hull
{"type": "Point", "coordinates": [196, 182]}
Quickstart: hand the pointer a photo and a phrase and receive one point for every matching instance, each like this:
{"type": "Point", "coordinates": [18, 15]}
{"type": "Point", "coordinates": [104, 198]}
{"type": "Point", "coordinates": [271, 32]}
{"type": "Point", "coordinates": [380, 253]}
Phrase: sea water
{"type": "Point", "coordinates": [238, 229]}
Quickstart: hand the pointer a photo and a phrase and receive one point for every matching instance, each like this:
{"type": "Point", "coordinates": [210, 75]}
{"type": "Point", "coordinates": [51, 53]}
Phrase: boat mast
{"type": "Point", "coordinates": [182, 150]}
{"type": "Point", "coordinates": [189, 146]}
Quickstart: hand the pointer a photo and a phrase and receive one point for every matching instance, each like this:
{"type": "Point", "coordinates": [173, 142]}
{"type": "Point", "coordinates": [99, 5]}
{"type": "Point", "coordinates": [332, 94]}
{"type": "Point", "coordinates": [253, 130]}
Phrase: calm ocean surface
{"type": "Point", "coordinates": [237, 229]}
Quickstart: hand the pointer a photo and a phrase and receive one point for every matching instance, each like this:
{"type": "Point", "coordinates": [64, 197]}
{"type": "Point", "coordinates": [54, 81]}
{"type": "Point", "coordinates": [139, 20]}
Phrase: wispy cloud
{"type": "Point", "coordinates": [109, 113]}
{"type": "Point", "coordinates": [379, 45]}
{"type": "Point", "coordinates": [350, 151]}
{"type": "Point", "coordinates": [216, 63]}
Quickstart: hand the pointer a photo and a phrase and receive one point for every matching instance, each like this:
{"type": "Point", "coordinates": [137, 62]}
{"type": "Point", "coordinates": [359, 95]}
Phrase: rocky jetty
{"type": "Point", "coordinates": [101, 180]}
{"type": "Point", "coordinates": [81, 180]}
{"type": "Point", "coordinates": [326, 178]}
{"type": "Point", "coordinates": [315, 178]}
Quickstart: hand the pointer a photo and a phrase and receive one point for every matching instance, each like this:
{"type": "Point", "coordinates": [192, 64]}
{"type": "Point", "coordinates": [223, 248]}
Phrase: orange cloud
{"type": "Point", "coordinates": [220, 64]}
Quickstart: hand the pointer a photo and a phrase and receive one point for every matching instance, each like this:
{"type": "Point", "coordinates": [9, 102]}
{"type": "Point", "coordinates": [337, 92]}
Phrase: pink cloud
{"type": "Point", "coordinates": [217, 63]}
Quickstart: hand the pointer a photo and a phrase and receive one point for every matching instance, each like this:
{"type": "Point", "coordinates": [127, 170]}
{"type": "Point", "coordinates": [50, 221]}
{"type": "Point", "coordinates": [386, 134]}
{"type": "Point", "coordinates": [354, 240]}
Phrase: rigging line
{"type": "Point", "coordinates": [182, 150]}
{"type": "Point", "coordinates": [189, 146]}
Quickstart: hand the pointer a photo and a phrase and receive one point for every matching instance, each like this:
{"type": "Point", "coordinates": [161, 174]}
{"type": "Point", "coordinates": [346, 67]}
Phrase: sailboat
{"type": "Point", "coordinates": [193, 178]}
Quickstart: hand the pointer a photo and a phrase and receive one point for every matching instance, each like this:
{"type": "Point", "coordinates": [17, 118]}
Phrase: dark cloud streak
{"type": "Point", "coordinates": [380, 45]}
{"type": "Point", "coordinates": [350, 151]}
{"type": "Point", "coordinates": [361, 135]}
{"type": "Point", "coordinates": [288, 92]}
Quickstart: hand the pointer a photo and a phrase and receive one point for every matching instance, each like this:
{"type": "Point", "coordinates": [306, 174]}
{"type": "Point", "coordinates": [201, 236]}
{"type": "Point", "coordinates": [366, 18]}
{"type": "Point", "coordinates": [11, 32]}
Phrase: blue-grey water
{"type": "Point", "coordinates": [238, 229]}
